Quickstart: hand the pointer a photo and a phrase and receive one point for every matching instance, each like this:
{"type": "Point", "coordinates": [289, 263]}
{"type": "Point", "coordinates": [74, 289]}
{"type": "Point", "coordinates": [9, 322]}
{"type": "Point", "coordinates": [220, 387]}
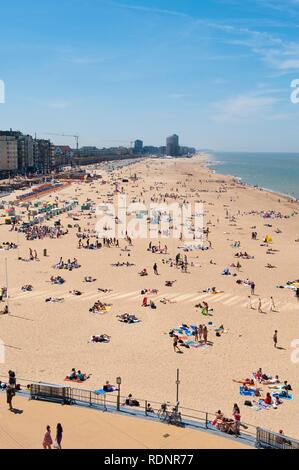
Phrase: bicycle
{"type": "Point", "coordinates": [175, 417]}
{"type": "Point", "coordinates": [162, 412]}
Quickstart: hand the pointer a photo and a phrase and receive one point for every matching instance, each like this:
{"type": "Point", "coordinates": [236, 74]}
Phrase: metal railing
{"type": "Point", "coordinates": [203, 420]}
{"type": "Point", "coordinates": [273, 440]}
{"type": "Point", "coordinates": [143, 408]}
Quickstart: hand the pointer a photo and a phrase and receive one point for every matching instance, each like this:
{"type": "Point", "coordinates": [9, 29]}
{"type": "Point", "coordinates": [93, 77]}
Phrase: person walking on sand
{"type": "Point", "coordinates": [205, 334]}
{"type": "Point", "coordinates": [47, 442]}
{"type": "Point", "coordinates": [175, 344]}
{"type": "Point", "coordinates": [275, 339]}
{"type": "Point", "coordinates": [249, 305]}
{"type": "Point", "coordinates": [260, 306]}
{"type": "Point", "coordinates": [200, 333]}
{"type": "Point", "coordinates": [237, 420]}
{"type": "Point", "coordinates": [252, 285]}
{"type": "Point", "coordinates": [11, 388]}
{"type": "Point", "coordinates": [155, 268]}
{"type": "Point", "coordinates": [59, 432]}
{"type": "Point", "coordinates": [272, 307]}
{"type": "Point", "coordinates": [10, 393]}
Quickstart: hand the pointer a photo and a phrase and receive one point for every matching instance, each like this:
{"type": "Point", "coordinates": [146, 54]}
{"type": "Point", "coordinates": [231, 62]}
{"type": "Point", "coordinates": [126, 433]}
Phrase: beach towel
{"type": "Point", "coordinates": [78, 381]}
{"type": "Point", "coordinates": [203, 347]}
{"type": "Point", "coordinates": [99, 311]}
{"type": "Point", "coordinates": [283, 397]}
{"type": "Point", "coordinates": [188, 333]}
{"type": "Point", "coordinates": [102, 392]}
{"type": "Point", "coordinates": [131, 322]}
{"type": "Point", "coordinates": [193, 344]}
{"type": "Point", "coordinates": [262, 405]}
{"type": "Point", "coordinates": [246, 393]}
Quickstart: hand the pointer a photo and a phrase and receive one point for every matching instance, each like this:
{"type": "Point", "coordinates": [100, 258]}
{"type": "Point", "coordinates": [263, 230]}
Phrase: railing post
{"type": "Point", "coordinates": [207, 422]}
{"type": "Point", "coordinates": [90, 402]}
{"type": "Point", "coordinates": [145, 407]}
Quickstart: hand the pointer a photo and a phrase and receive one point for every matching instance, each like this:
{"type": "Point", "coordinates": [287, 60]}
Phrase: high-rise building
{"type": "Point", "coordinates": [25, 153]}
{"type": "Point", "coordinates": [25, 149]}
{"type": "Point", "coordinates": [138, 146]}
{"type": "Point", "coordinates": [42, 155]}
{"type": "Point", "coordinates": [172, 145]}
{"type": "Point", "coordinates": [8, 153]}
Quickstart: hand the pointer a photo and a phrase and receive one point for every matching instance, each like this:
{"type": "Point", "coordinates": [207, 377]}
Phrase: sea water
{"type": "Point", "coordinates": [277, 172]}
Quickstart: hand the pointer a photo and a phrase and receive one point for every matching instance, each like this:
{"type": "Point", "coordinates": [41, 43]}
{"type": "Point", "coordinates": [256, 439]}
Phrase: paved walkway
{"type": "Point", "coordinates": [84, 428]}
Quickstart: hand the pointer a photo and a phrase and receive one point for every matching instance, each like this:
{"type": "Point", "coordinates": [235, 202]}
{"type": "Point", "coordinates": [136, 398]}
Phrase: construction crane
{"type": "Point", "coordinates": [76, 137]}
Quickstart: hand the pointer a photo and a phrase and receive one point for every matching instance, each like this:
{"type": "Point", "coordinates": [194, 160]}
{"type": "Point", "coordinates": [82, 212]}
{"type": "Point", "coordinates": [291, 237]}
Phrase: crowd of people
{"type": "Point", "coordinates": [39, 232]}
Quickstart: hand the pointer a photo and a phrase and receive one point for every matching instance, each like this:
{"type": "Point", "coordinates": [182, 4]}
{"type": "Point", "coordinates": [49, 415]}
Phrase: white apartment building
{"type": "Point", "coordinates": [8, 153]}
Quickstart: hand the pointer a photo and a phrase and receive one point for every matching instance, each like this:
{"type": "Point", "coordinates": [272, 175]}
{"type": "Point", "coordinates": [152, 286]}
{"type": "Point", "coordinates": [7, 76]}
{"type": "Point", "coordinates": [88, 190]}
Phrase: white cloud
{"type": "Point", "coordinates": [145, 9]}
{"type": "Point", "coordinates": [291, 64]}
{"type": "Point", "coordinates": [242, 106]}
{"type": "Point", "coordinates": [269, 47]}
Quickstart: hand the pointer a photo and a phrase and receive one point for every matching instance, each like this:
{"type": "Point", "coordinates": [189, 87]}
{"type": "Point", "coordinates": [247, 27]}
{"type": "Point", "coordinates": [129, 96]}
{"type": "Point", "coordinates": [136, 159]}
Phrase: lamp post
{"type": "Point", "coordinates": [18, 242]}
{"type": "Point", "coordinates": [177, 387]}
{"type": "Point", "coordinates": [118, 382]}
{"type": "Point", "coordinates": [6, 278]}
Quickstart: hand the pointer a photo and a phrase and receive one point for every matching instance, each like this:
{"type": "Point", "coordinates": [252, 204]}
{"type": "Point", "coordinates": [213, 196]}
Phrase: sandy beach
{"type": "Point", "coordinates": [45, 340]}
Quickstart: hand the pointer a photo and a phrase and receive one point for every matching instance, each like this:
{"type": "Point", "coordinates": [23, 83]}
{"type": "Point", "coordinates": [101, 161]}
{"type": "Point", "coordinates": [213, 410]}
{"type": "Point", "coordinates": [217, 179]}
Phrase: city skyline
{"type": "Point", "coordinates": [218, 73]}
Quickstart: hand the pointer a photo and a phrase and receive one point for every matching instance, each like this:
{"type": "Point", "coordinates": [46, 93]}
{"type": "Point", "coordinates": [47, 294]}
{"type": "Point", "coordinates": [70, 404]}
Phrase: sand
{"type": "Point", "coordinates": [44, 341]}
{"type": "Point", "coordinates": [89, 429]}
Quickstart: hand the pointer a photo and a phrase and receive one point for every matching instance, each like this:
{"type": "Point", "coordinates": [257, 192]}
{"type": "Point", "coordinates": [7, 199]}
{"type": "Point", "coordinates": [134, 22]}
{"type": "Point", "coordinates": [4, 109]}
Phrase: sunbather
{"type": "Point", "coordinates": [78, 376]}
{"type": "Point", "coordinates": [268, 399]}
{"type": "Point", "coordinates": [100, 307]}
{"type": "Point", "coordinates": [109, 388]}
{"type": "Point", "coordinates": [167, 301]}
{"type": "Point", "coordinates": [57, 280]}
{"type": "Point", "coordinates": [89, 279]}
{"type": "Point", "coordinates": [75, 292]}
{"type": "Point", "coordinates": [143, 272]}
{"type": "Point", "coordinates": [100, 339]}
{"type": "Point", "coordinates": [130, 401]}
{"type": "Point", "coordinates": [54, 299]}
{"type": "Point", "coordinates": [81, 377]}
{"type": "Point", "coordinates": [27, 288]}
{"type": "Point", "coordinates": [270, 381]}
{"type": "Point", "coordinates": [127, 318]}
{"type": "Point", "coordinates": [5, 311]}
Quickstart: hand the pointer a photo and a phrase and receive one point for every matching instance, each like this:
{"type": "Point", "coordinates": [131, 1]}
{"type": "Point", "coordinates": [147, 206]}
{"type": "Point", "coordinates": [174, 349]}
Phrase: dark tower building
{"type": "Point", "coordinates": [172, 146]}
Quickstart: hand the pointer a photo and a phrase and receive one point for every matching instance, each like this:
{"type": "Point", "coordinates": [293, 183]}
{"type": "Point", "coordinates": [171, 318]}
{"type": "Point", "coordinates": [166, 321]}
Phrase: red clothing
{"type": "Point", "coordinates": [48, 439]}
{"type": "Point", "coordinates": [268, 400]}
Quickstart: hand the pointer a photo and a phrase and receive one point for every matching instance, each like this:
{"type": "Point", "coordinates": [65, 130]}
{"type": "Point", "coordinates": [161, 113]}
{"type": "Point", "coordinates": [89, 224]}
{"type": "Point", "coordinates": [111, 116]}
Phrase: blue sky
{"type": "Point", "coordinates": [217, 72]}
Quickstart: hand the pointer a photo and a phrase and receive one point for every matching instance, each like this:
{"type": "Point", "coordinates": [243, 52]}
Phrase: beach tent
{"type": "Point", "coordinates": [268, 239]}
